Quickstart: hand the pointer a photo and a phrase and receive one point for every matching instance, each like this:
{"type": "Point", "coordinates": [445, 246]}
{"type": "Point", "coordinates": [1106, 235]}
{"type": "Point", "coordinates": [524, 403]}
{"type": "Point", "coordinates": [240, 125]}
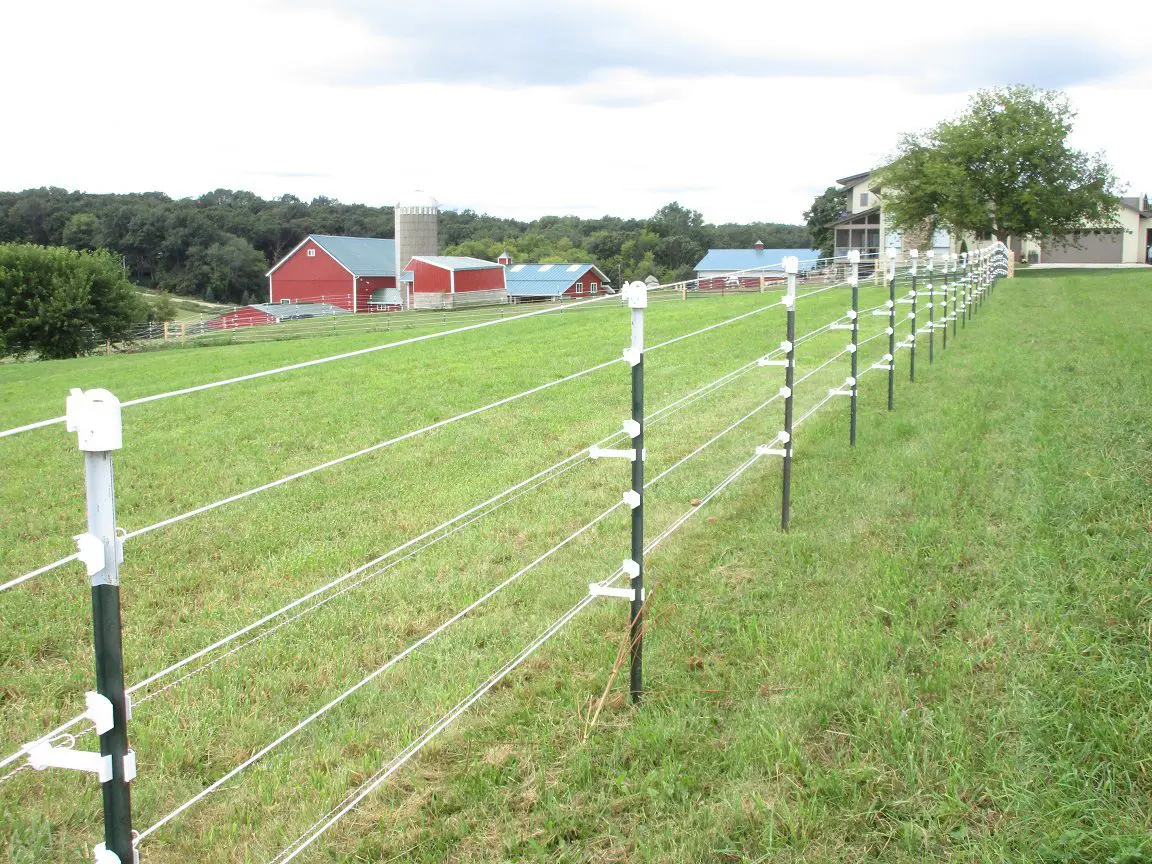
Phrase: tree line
{"type": "Point", "coordinates": [217, 247]}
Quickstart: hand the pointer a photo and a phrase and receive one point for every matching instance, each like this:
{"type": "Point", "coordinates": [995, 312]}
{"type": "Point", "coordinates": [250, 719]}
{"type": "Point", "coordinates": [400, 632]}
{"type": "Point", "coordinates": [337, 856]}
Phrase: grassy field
{"type": "Point", "coordinates": [947, 657]}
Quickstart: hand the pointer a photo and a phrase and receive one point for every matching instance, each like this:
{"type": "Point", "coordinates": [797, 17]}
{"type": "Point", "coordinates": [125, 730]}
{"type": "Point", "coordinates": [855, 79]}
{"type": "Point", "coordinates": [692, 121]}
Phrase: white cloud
{"type": "Point", "coordinates": [738, 109]}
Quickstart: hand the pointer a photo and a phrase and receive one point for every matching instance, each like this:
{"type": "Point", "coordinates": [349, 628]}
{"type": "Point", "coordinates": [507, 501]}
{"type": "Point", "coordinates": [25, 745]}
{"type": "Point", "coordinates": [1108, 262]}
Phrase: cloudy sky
{"type": "Point", "coordinates": [528, 107]}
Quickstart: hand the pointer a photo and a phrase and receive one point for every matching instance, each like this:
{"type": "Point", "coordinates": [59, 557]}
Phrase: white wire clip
{"type": "Point", "coordinates": [90, 551]}
{"type": "Point", "coordinates": [888, 331]}
{"type": "Point", "coordinates": [631, 428]}
{"type": "Point", "coordinates": [42, 754]}
{"type": "Point", "coordinates": [99, 711]}
{"type": "Point", "coordinates": [851, 349]}
{"type": "Point", "coordinates": [882, 313]}
{"type": "Point", "coordinates": [786, 346]}
{"type": "Point", "coordinates": [847, 389]}
{"type": "Point", "coordinates": [768, 361]}
{"type": "Point", "coordinates": [94, 416]}
{"type": "Point", "coordinates": [782, 437]}
{"type": "Point", "coordinates": [838, 326]}
{"type": "Point", "coordinates": [606, 453]}
{"type": "Point", "coordinates": [632, 356]}
{"type": "Point", "coordinates": [785, 392]}
{"type": "Point", "coordinates": [632, 498]}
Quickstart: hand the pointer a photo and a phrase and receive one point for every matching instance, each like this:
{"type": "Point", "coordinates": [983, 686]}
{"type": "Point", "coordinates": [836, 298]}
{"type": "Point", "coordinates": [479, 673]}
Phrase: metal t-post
{"type": "Point", "coordinates": [944, 303]}
{"type": "Point", "coordinates": [892, 331]}
{"type": "Point", "coordinates": [638, 302]}
{"type": "Point", "coordinates": [791, 267]}
{"type": "Point", "coordinates": [95, 417]}
{"type": "Point", "coordinates": [854, 281]}
{"type": "Point", "coordinates": [913, 254]}
{"type": "Point", "coordinates": [931, 264]}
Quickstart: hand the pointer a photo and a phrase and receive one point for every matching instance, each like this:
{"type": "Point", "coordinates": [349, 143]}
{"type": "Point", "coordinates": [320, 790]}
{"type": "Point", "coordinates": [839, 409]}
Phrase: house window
{"type": "Point", "coordinates": [285, 301]}
{"type": "Point", "coordinates": [863, 199]}
{"type": "Point", "coordinates": [579, 287]}
{"type": "Point", "coordinates": [593, 288]}
{"type": "Point", "coordinates": [311, 253]}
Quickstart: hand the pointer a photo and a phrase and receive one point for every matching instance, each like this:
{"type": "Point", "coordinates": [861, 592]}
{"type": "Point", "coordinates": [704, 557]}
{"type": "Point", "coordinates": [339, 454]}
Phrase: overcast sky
{"type": "Point", "coordinates": [523, 108]}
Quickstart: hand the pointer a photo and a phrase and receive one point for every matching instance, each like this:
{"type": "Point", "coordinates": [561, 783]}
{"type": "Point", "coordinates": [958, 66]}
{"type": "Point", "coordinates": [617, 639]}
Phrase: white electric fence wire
{"type": "Point", "coordinates": [164, 523]}
{"type": "Point", "coordinates": [547, 474]}
{"type": "Point", "coordinates": [320, 712]}
{"type": "Point", "coordinates": [460, 526]}
{"type": "Point", "coordinates": [252, 376]}
{"type": "Point", "coordinates": [414, 747]}
{"type": "Point", "coordinates": [439, 629]}
{"type": "Point", "coordinates": [45, 569]}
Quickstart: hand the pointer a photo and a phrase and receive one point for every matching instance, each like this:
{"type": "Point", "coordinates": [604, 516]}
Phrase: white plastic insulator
{"type": "Point", "coordinates": [784, 437]}
{"type": "Point", "coordinates": [850, 314]}
{"type": "Point", "coordinates": [849, 381]}
{"type": "Point", "coordinates": [632, 356]}
{"type": "Point", "coordinates": [851, 349]}
{"type": "Point", "coordinates": [90, 551]}
{"type": "Point", "coordinates": [888, 304]}
{"type": "Point", "coordinates": [632, 498]}
{"type": "Point", "coordinates": [631, 428]}
{"type": "Point", "coordinates": [94, 415]}
{"type": "Point", "coordinates": [637, 295]}
{"type": "Point", "coordinates": [630, 568]}
{"type": "Point", "coordinates": [99, 711]}
{"type": "Point", "coordinates": [791, 264]}
{"type": "Point", "coordinates": [887, 358]}
{"type": "Point", "coordinates": [853, 256]}
{"type": "Point", "coordinates": [888, 331]}
{"type": "Point", "coordinates": [785, 392]}
{"type": "Point", "coordinates": [785, 346]}
{"type": "Point", "coordinates": [104, 856]}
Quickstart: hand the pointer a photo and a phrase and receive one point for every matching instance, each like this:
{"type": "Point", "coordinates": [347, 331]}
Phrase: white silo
{"type": "Point", "coordinates": [417, 232]}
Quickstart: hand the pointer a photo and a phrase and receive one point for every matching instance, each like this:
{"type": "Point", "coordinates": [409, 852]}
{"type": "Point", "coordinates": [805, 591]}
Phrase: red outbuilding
{"type": "Point", "coordinates": [272, 313]}
{"type": "Point", "coordinates": [448, 281]}
{"type": "Point", "coordinates": [355, 273]}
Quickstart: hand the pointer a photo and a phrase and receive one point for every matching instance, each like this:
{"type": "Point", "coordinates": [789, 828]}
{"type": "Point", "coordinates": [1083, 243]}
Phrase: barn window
{"type": "Point", "coordinates": [311, 253]}
{"type": "Point", "coordinates": [579, 287]}
{"type": "Point", "coordinates": [593, 288]}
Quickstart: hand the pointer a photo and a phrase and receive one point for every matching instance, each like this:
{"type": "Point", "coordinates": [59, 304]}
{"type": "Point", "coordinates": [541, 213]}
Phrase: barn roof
{"type": "Point", "coordinates": [361, 256]}
{"type": "Point", "coordinates": [546, 280]}
{"type": "Point", "coordinates": [456, 262]}
{"type": "Point", "coordinates": [731, 260]}
{"type": "Point", "coordinates": [292, 311]}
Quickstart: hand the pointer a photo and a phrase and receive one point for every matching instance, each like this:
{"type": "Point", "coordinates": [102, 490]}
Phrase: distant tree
{"type": "Point", "coordinates": [57, 303]}
{"type": "Point", "coordinates": [828, 206]}
{"type": "Point", "coordinates": [1003, 167]}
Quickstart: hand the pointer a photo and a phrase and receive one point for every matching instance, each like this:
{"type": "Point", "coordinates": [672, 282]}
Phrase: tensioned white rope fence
{"type": "Point", "coordinates": [979, 277]}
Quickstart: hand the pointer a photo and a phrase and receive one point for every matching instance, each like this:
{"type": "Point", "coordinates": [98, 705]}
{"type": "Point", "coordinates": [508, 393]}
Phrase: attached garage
{"type": "Point", "coordinates": [1085, 247]}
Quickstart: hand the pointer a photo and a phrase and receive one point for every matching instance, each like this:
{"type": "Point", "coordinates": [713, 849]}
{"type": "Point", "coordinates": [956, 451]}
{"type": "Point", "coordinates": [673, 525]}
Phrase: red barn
{"type": "Point", "coordinates": [554, 281]}
{"type": "Point", "coordinates": [448, 281]}
{"type": "Point", "coordinates": [354, 273]}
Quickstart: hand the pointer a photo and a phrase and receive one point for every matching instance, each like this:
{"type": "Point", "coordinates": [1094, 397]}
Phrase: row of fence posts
{"type": "Point", "coordinates": [94, 415]}
{"type": "Point", "coordinates": [975, 284]}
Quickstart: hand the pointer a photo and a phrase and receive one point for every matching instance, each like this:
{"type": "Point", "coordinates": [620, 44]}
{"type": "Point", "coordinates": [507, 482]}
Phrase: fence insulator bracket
{"type": "Point", "coordinates": [632, 498]}
{"type": "Point", "coordinates": [765, 361]}
{"type": "Point", "coordinates": [632, 356]}
{"type": "Point", "coordinates": [606, 453]}
{"type": "Point", "coordinates": [598, 590]}
{"type": "Point", "coordinates": [43, 755]}
{"type": "Point", "coordinates": [842, 326]}
{"type": "Point", "coordinates": [785, 392]}
{"type": "Point", "coordinates": [631, 428]}
{"type": "Point", "coordinates": [887, 367]}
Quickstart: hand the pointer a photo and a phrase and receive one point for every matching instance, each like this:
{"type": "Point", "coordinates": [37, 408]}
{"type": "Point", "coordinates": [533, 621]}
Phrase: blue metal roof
{"type": "Point", "coordinates": [547, 280]}
{"type": "Point", "coordinates": [363, 256]}
{"type": "Point", "coordinates": [730, 260]}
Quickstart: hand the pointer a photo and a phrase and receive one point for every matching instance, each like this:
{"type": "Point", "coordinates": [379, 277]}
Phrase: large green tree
{"type": "Point", "coordinates": [826, 209]}
{"type": "Point", "coordinates": [57, 303]}
{"type": "Point", "coordinates": [1003, 167]}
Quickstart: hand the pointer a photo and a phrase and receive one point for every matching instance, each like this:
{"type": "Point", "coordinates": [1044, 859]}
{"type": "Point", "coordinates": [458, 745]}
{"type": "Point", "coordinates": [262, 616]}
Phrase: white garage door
{"type": "Point", "coordinates": [1085, 247]}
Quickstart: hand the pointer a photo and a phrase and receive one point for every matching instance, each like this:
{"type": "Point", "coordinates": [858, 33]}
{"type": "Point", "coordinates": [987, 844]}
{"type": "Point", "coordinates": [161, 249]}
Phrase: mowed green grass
{"type": "Point", "coordinates": [947, 656]}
